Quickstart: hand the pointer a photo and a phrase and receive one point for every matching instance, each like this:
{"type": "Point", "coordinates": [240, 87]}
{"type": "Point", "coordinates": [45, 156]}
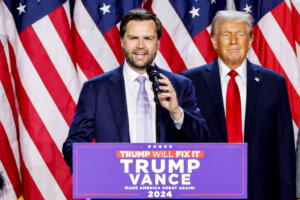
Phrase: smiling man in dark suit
{"type": "Point", "coordinates": [118, 106]}
{"type": "Point", "coordinates": [244, 102]}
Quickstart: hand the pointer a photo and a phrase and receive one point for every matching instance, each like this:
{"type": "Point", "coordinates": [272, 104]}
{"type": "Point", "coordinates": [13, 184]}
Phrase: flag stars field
{"type": "Point", "coordinates": [194, 12]}
{"type": "Point", "coordinates": [105, 9]}
{"type": "Point", "coordinates": [21, 8]}
{"type": "Point", "coordinates": [247, 8]}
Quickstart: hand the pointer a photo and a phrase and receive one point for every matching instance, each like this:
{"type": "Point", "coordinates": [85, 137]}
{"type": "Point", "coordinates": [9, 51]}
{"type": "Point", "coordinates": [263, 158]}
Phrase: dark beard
{"type": "Point", "coordinates": [130, 61]}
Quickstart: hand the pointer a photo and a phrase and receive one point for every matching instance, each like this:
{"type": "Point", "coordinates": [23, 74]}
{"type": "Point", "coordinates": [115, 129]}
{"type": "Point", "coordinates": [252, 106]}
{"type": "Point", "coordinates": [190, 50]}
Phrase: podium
{"type": "Point", "coordinates": [160, 170]}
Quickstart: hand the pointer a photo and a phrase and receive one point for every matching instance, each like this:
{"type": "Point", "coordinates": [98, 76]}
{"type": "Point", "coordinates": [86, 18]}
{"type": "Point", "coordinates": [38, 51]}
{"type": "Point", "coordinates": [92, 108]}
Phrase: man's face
{"type": "Point", "coordinates": [232, 42]}
{"type": "Point", "coordinates": [140, 44]}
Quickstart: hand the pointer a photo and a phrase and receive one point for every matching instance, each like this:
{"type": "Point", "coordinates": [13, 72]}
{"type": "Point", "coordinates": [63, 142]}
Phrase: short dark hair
{"type": "Point", "coordinates": [140, 15]}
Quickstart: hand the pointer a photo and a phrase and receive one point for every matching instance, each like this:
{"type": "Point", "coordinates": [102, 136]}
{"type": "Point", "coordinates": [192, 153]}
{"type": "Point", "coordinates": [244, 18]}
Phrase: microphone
{"type": "Point", "coordinates": [153, 76]}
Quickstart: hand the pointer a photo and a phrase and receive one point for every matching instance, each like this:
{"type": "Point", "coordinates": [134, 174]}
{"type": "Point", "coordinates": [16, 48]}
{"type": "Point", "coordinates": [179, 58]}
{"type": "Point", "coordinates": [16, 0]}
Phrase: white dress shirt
{"type": "Point", "coordinates": [131, 90]}
{"type": "Point", "coordinates": [241, 80]}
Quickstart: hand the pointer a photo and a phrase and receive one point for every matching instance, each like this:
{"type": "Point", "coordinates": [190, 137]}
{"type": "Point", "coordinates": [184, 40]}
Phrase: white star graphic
{"type": "Point", "coordinates": [165, 146]}
{"type": "Point", "coordinates": [105, 8]}
{"type": "Point", "coordinates": [21, 8]}
{"type": "Point", "coordinates": [247, 8]}
{"type": "Point", "coordinates": [194, 12]}
{"type": "Point", "coordinates": [213, 1]}
{"type": "Point", "coordinates": [149, 146]}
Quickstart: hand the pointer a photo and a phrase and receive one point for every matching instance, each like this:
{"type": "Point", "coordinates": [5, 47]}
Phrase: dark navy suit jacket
{"type": "Point", "coordinates": [102, 113]}
{"type": "Point", "coordinates": [268, 127]}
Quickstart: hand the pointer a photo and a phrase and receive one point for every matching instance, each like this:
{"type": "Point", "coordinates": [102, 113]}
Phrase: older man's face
{"type": "Point", "coordinates": [232, 42]}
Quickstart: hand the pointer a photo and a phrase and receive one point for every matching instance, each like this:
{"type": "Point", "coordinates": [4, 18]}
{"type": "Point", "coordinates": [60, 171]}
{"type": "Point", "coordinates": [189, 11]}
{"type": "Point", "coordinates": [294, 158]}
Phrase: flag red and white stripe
{"type": "Point", "coordinates": [9, 145]}
{"type": "Point", "coordinates": [47, 89]}
{"type": "Point", "coordinates": [275, 47]}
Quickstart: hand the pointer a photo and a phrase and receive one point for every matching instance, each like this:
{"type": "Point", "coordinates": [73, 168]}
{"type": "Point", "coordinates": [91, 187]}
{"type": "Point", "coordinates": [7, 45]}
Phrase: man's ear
{"type": "Point", "coordinates": [214, 42]}
{"type": "Point", "coordinates": [250, 42]}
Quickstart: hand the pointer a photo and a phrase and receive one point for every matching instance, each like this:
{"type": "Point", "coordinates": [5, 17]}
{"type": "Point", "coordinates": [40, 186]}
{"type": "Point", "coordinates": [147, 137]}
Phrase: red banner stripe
{"type": "Point", "coordinates": [170, 53]}
{"type": "Point", "coordinates": [9, 162]}
{"type": "Point", "coordinates": [60, 21]}
{"type": "Point", "coordinates": [268, 59]}
{"type": "Point", "coordinates": [296, 24]}
{"type": "Point", "coordinates": [40, 135]}
{"type": "Point", "coordinates": [282, 15]}
{"type": "Point", "coordinates": [168, 49]}
{"type": "Point", "coordinates": [113, 39]}
{"type": "Point", "coordinates": [204, 45]}
{"type": "Point", "coordinates": [48, 74]}
{"type": "Point", "coordinates": [86, 61]}
{"type": "Point", "coordinates": [30, 189]}
{"type": "Point", "coordinates": [5, 78]}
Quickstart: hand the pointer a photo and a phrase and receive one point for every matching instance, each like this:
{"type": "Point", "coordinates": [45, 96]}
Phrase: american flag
{"type": "Point", "coordinates": [41, 69]}
{"type": "Point", "coordinates": [45, 56]}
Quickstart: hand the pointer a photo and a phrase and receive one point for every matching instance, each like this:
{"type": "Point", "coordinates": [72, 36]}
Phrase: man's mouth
{"type": "Point", "coordinates": [140, 54]}
{"type": "Point", "coordinates": [233, 49]}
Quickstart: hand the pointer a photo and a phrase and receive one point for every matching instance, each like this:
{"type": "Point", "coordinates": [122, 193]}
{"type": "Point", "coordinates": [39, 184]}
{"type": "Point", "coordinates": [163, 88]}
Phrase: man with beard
{"type": "Point", "coordinates": [119, 106]}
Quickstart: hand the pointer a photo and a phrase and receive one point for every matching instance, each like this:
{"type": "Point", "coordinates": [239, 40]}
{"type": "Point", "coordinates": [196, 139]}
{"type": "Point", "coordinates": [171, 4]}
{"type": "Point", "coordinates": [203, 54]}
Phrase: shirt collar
{"type": "Point", "coordinates": [130, 74]}
{"type": "Point", "coordinates": [241, 70]}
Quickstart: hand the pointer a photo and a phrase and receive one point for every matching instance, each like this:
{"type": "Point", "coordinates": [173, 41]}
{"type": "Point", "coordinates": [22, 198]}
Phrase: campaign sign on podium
{"type": "Point", "coordinates": [161, 170]}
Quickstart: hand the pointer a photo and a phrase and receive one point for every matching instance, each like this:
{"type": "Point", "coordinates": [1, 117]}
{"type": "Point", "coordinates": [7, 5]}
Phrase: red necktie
{"type": "Point", "coordinates": [233, 110]}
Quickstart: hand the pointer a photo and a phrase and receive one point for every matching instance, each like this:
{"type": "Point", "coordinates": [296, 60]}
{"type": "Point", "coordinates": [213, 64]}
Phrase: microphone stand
{"type": "Point", "coordinates": [157, 118]}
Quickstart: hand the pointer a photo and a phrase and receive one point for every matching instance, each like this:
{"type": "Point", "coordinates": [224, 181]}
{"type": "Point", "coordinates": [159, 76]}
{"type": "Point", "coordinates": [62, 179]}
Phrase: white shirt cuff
{"type": "Point", "coordinates": [178, 123]}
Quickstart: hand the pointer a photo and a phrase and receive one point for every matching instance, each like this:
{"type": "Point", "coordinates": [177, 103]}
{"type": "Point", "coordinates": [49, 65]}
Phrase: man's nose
{"type": "Point", "coordinates": [140, 43]}
{"type": "Point", "coordinates": [233, 39]}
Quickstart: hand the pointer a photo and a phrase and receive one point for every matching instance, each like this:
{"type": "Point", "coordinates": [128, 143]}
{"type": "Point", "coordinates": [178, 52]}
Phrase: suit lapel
{"type": "Point", "coordinates": [116, 94]}
{"type": "Point", "coordinates": [254, 80]}
{"type": "Point", "coordinates": [213, 83]}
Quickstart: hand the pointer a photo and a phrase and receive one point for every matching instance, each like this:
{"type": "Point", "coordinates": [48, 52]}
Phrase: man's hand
{"type": "Point", "coordinates": [168, 97]}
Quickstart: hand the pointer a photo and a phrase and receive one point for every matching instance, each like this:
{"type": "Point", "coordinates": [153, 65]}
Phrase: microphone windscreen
{"type": "Point", "coordinates": [152, 72]}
